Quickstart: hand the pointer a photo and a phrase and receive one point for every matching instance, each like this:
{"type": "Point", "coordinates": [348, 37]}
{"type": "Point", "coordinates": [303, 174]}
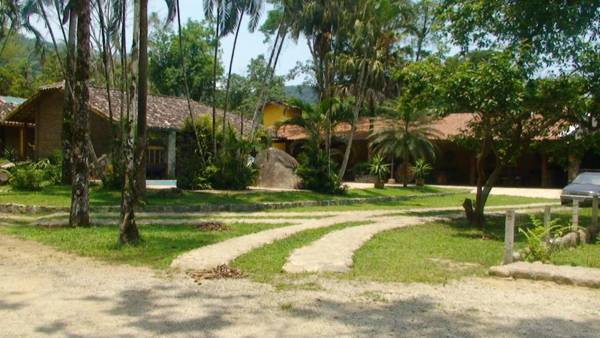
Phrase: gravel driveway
{"type": "Point", "coordinates": [47, 293]}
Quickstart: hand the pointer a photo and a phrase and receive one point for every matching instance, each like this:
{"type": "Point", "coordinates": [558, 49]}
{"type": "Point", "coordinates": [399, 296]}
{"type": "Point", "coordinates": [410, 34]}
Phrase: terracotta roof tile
{"type": "Point", "coordinates": [447, 127]}
{"type": "Point", "coordinates": [164, 112]}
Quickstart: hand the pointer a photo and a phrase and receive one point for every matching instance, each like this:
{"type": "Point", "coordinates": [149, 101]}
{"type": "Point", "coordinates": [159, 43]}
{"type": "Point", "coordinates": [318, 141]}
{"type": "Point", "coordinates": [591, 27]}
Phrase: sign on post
{"type": "Point", "coordinates": [509, 236]}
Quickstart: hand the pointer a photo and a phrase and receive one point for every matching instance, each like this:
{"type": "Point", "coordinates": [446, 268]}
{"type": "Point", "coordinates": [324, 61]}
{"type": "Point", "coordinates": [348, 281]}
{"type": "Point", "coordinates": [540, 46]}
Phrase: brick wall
{"type": "Point", "coordinates": [49, 122]}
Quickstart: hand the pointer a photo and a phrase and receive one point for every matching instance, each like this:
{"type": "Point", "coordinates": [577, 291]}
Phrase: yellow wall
{"type": "Point", "coordinates": [277, 112]}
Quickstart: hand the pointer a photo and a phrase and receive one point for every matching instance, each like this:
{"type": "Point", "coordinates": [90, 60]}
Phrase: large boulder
{"type": "Point", "coordinates": [277, 169]}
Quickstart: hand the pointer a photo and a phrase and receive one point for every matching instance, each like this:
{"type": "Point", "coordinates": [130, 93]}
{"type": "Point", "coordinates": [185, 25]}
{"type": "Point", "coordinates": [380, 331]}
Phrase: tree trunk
{"type": "Point", "coordinates": [237, 33]}
{"type": "Point", "coordinates": [142, 102]}
{"type": "Point", "coordinates": [574, 165]}
{"type": "Point", "coordinates": [134, 151]}
{"type": "Point", "coordinates": [405, 161]}
{"type": "Point", "coordinates": [80, 188]}
{"type": "Point", "coordinates": [476, 213]}
{"type": "Point", "coordinates": [69, 105]}
{"type": "Point", "coordinates": [214, 88]}
{"type": "Point", "coordinates": [361, 83]}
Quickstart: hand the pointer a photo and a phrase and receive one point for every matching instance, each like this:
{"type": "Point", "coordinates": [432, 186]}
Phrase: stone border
{"type": "Point", "coordinates": [560, 274]}
{"type": "Point", "coordinates": [35, 209]}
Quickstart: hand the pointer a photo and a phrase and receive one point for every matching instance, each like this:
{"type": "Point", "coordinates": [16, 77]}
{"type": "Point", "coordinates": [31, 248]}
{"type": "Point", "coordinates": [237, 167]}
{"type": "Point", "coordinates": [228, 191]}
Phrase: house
{"type": "Point", "coordinates": [15, 137]}
{"type": "Point", "coordinates": [41, 118]}
{"type": "Point", "coordinates": [455, 164]}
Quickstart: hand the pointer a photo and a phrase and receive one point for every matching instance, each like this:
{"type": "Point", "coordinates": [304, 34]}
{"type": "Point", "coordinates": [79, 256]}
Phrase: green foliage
{"type": "Point", "coordinates": [165, 71]}
{"type": "Point", "coordinates": [23, 69]}
{"type": "Point", "coordinates": [27, 178]}
{"type": "Point", "coordinates": [235, 169]}
{"type": "Point", "coordinates": [540, 239]}
{"type": "Point", "coordinates": [199, 170]}
{"type": "Point", "coordinates": [194, 168]}
{"type": "Point", "coordinates": [421, 169]}
{"type": "Point", "coordinates": [317, 172]}
{"type": "Point", "coordinates": [33, 176]}
{"type": "Point", "coordinates": [378, 168]}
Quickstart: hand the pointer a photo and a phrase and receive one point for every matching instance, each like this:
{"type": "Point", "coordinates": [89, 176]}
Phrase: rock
{"type": "Point", "coordinates": [4, 176]}
{"type": "Point", "coordinates": [7, 165]}
{"type": "Point", "coordinates": [277, 170]}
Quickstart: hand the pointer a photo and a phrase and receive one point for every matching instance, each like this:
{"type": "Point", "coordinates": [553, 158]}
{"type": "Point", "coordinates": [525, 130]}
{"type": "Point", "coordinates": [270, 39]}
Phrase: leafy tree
{"type": "Point", "coordinates": [165, 72]}
{"type": "Point", "coordinates": [493, 88]}
{"type": "Point", "coordinates": [558, 29]}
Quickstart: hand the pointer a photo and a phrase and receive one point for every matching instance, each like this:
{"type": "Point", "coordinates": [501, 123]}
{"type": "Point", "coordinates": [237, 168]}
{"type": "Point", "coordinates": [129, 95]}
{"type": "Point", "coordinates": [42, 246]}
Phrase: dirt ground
{"type": "Point", "coordinates": [47, 293]}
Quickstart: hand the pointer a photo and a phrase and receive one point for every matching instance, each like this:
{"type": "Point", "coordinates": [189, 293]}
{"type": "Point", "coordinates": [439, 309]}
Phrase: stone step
{"type": "Point", "coordinates": [561, 274]}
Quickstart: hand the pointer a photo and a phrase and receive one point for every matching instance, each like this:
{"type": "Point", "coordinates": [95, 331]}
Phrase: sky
{"type": "Point", "coordinates": [249, 46]}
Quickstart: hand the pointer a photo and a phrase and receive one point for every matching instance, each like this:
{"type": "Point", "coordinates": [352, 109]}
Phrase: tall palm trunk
{"type": "Point", "coordinates": [69, 108]}
{"type": "Point", "coordinates": [80, 207]}
{"type": "Point", "coordinates": [142, 100]}
{"type": "Point", "coordinates": [214, 88]}
{"type": "Point", "coordinates": [227, 87]}
{"type": "Point", "coordinates": [134, 150]}
{"type": "Point", "coordinates": [262, 99]}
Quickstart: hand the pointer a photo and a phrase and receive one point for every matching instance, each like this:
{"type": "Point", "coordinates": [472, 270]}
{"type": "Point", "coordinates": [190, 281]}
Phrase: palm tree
{"type": "Point", "coordinates": [254, 9]}
{"type": "Point", "coordinates": [407, 135]}
{"type": "Point", "coordinates": [81, 152]}
{"type": "Point", "coordinates": [222, 12]}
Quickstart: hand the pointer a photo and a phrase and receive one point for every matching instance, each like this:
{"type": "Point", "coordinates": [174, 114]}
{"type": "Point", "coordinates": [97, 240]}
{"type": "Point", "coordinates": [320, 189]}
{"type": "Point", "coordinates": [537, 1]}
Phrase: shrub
{"type": "Point", "coordinates": [232, 169]}
{"type": "Point", "coordinates": [421, 170]}
{"type": "Point", "coordinates": [236, 169]}
{"type": "Point", "coordinates": [315, 174]}
{"type": "Point", "coordinates": [379, 169]}
{"type": "Point", "coordinates": [36, 175]}
{"type": "Point", "coordinates": [193, 170]}
{"type": "Point", "coordinates": [27, 177]}
{"type": "Point", "coordinates": [541, 242]}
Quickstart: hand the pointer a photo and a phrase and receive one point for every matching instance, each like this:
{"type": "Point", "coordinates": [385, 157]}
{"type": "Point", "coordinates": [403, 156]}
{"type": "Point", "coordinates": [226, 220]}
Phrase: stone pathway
{"type": "Point", "coordinates": [334, 251]}
{"type": "Point", "coordinates": [208, 257]}
{"type": "Point", "coordinates": [561, 274]}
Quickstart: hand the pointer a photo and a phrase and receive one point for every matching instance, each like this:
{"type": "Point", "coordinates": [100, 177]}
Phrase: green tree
{"type": "Point", "coordinates": [166, 76]}
{"type": "Point", "coordinates": [493, 87]}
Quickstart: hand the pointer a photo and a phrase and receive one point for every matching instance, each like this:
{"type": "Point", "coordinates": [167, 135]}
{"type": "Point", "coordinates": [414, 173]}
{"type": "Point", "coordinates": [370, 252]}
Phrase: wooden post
{"type": "Point", "coordinates": [509, 236]}
{"type": "Point", "coordinates": [575, 221]}
{"type": "Point", "coordinates": [21, 143]}
{"type": "Point", "coordinates": [547, 220]}
{"type": "Point", "coordinates": [595, 211]}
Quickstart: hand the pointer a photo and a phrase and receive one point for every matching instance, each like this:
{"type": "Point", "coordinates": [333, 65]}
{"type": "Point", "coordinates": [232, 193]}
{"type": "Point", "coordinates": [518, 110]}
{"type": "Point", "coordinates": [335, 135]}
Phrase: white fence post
{"type": "Point", "coordinates": [547, 220]}
{"type": "Point", "coordinates": [509, 236]}
{"type": "Point", "coordinates": [595, 211]}
{"type": "Point", "coordinates": [575, 221]}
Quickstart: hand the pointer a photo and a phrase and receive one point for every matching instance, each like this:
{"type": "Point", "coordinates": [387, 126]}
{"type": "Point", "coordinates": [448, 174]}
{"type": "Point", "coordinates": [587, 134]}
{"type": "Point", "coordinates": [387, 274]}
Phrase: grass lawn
{"type": "Point", "coordinates": [161, 244]}
{"type": "Point", "coordinates": [60, 196]}
{"type": "Point", "coordinates": [430, 253]}
{"type": "Point", "coordinates": [441, 251]}
{"type": "Point", "coordinates": [454, 200]}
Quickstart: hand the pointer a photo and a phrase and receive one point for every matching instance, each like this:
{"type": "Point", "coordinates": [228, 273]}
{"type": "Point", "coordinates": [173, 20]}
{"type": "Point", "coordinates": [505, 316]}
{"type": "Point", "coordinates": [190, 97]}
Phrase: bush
{"type": "Point", "coordinates": [233, 169]}
{"type": "Point", "coordinates": [378, 168]}
{"type": "Point", "coordinates": [236, 168]}
{"type": "Point", "coordinates": [33, 176]}
{"type": "Point", "coordinates": [314, 172]}
{"type": "Point", "coordinates": [27, 177]}
{"type": "Point", "coordinates": [541, 242]}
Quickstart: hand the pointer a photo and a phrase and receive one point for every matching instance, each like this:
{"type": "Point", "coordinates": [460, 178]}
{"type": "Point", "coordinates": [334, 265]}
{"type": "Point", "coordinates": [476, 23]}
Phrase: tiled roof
{"type": "Point", "coordinates": [447, 127]}
{"type": "Point", "coordinates": [5, 109]}
{"type": "Point", "coordinates": [164, 112]}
